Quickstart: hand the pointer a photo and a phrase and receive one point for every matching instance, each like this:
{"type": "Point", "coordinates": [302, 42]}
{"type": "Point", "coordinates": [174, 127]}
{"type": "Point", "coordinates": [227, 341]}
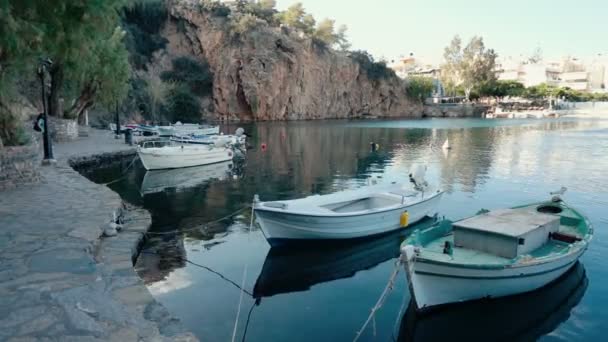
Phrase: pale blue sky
{"type": "Point", "coordinates": [512, 27]}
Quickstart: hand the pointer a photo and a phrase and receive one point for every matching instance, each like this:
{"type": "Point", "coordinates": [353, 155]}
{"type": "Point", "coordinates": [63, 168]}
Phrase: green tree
{"type": "Point", "coordinates": [341, 38]}
{"type": "Point", "coordinates": [470, 66]}
{"type": "Point", "coordinates": [71, 33]}
{"type": "Point", "coordinates": [325, 32]}
{"type": "Point", "coordinates": [158, 92]}
{"type": "Point", "coordinates": [418, 88]}
{"type": "Point", "coordinates": [293, 16]}
{"type": "Point", "coordinates": [183, 105]}
{"type": "Point", "coordinates": [193, 73]}
{"type": "Point", "coordinates": [308, 24]}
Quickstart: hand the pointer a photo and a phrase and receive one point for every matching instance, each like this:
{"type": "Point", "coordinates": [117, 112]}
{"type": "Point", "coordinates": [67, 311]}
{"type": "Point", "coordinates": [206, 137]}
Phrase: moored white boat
{"type": "Point", "coordinates": [494, 254]}
{"type": "Point", "coordinates": [219, 140]}
{"type": "Point", "coordinates": [155, 157]}
{"type": "Point", "coordinates": [349, 214]}
{"type": "Point", "coordinates": [179, 129]}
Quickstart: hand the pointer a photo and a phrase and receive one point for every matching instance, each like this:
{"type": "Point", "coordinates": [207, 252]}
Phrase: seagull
{"type": "Point", "coordinates": [561, 191]}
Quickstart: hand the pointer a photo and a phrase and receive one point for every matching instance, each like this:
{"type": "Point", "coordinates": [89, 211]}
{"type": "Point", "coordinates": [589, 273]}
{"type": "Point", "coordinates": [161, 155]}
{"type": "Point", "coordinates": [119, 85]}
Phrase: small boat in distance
{"type": "Point", "coordinates": [156, 155]}
{"type": "Point", "coordinates": [494, 253]}
{"type": "Point", "coordinates": [348, 214]}
{"type": "Point", "coordinates": [179, 129]}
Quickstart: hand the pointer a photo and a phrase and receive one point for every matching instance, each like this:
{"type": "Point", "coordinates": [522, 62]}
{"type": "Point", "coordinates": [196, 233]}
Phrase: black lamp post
{"type": "Point", "coordinates": [117, 123]}
{"type": "Point", "coordinates": [48, 147]}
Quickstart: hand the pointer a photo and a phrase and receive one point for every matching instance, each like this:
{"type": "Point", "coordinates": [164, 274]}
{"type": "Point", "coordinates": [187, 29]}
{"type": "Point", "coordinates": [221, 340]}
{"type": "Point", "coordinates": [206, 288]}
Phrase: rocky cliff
{"type": "Point", "coordinates": [271, 73]}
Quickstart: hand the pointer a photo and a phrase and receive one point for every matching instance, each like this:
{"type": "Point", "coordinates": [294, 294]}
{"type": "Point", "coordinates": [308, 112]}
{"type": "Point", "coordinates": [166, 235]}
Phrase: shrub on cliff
{"type": "Point", "coordinates": [183, 105]}
{"type": "Point", "coordinates": [215, 8]}
{"type": "Point", "coordinates": [193, 73]}
{"type": "Point", "coordinates": [143, 22]}
{"type": "Point", "coordinates": [375, 71]}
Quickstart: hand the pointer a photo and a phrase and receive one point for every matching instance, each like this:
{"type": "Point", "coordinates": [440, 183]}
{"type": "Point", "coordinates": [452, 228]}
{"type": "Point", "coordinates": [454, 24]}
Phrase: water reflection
{"type": "Point", "coordinates": [517, 318]}
{"type": "Point", "coordinates": [184, 178]}
{"type": "Point", "coordinates": [492, 164]}
{"type": "Point", "coordinates": [297, 268]}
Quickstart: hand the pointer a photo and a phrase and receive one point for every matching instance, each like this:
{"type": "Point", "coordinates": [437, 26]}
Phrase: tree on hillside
{"type": "Point", "coordinates": [81, 39]}
{"type": "Point", "coordinates": [309, 23]}
{"type": "Point", "coordinates": [469, 66]}
{"type": "Point", "coordinates": [341, 38]}
{"type": "Point", "coordinates": [293, 16]}
{"type": "Point", "coordinates": [325, 32]}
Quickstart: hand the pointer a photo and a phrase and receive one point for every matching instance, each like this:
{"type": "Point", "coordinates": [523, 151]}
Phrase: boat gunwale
{"type": "Point", "coordinates": [513, 263]}
{"type": "Point", "coordinates": [257, 207]}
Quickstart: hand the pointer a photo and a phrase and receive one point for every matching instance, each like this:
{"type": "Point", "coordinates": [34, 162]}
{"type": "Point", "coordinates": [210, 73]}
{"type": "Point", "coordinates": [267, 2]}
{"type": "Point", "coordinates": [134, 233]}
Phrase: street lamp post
{"type": "Point", "coordinates": [117, 136]}
{"type": "Point", "coordinates": [48, 147]}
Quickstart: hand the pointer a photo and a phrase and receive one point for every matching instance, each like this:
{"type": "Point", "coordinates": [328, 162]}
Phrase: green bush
{"type": "Point", "coordinates": [375, 71]}
{"type": "Point", "coordinates": [12, 132]}
{"type": "Point", "coordinates": [183, 105]}
{"type": "Point", "coordinates": [143, 22]}
{"type": "Point", "coordinates": [193, 73]}
{"type": "Point", "coordinates": [419, 88]}
{"type": "Point", "coordinates": [216, 8]}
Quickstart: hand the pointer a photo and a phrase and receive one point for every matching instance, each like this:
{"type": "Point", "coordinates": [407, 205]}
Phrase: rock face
{"type": "Point", "coordinates": [269, 73]}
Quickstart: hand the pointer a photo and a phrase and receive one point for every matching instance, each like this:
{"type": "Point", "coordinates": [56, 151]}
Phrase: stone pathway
{"type": "Point", "coordinates": [59, 281]}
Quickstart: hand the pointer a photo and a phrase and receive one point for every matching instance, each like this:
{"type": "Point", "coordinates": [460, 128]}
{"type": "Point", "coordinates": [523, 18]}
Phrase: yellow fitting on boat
{"type": "Point", "coordinates": [404, 219]}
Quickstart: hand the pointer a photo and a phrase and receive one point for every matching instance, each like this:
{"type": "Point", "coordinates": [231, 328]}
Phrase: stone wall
{"type": "Point", "coordinates": [63, 129]}
{"type": "Point", "coordinates": [20, 164]}
{"type": "Point", "coordinates": [454, 110]}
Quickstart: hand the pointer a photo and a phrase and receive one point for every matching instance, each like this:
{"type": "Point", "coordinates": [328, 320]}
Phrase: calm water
{"type": "Point", "coordinates": [324, 293]}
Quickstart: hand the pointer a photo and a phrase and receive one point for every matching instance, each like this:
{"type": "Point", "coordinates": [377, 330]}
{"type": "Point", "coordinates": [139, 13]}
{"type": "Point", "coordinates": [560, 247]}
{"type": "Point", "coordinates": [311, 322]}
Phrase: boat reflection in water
{"type": "Point", "coordinates": [296, 267]}
{"type": "Point", "coordinates": [524, 317]}
{"type": "Point", "coordinates": [159, 180]}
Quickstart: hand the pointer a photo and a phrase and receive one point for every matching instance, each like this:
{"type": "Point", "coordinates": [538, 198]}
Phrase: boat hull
{"type": "Point", "coordinates": [167, 131]}
{"type": "Point", "coordinates": [178, 157]}
{"type": "Point", "coordinates": [280, 227]}
{"type": "Point", "coordinates": [434, 284]}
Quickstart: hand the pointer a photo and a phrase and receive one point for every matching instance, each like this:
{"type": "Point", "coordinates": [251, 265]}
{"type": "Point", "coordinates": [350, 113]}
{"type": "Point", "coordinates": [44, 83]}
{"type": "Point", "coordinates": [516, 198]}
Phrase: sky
{"type": "Point", "coordinates": [513, 28]}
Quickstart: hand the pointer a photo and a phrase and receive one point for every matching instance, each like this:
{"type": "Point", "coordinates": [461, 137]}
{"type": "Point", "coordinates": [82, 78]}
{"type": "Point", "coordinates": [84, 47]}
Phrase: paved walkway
{"type": "Point", "coordinates": [58, 280]}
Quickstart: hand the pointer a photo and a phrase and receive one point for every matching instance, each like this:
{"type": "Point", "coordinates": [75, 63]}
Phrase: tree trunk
{"type": "Point", "coordinates": [467, 94]}
{"type": "Point", "coordinates": [84, 101]}
{"type": "Point", "coordinates": [56, 72]}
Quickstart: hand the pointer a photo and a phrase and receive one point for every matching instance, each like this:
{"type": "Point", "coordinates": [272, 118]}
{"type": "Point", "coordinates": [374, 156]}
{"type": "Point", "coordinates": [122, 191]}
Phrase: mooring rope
{"type": "Point", "coordinates": [123, 173]}
{"type": "Point", "coordinates": [199, 227]}
{"type": "Point", "coordinates": [203, 267]}
{"type": "Point", "coordinates": [383, 296]}
{"type": "Point", "coordinates": [238, 310]}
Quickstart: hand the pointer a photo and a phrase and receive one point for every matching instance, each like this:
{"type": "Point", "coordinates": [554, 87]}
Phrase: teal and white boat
{"type": "Point", "coordinates": [494, 253]}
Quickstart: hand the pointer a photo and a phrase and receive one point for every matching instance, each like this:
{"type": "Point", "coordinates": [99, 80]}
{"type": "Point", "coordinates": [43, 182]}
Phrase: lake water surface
{"type": "Point", "coordinates": [325, 292]}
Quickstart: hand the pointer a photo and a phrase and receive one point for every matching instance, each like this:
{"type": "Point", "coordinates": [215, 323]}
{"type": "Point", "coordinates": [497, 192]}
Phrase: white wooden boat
{"type": "Point", "coordinates": [183, 178]}
{"type": "Point", "coordinates": [494, 254]}
{"type": "Point", "coordinates": [219, 140]}
{"type": "Point", "coordinates": [180, 129]}
{"type": "Point", "coordinates": [525, 317]}
{"type": "Point", "coordinates": [349, 214]}
{"type": "Point", "coordinates": [155, 157]}
{"type": "Point", "coordinates": [294, 267]}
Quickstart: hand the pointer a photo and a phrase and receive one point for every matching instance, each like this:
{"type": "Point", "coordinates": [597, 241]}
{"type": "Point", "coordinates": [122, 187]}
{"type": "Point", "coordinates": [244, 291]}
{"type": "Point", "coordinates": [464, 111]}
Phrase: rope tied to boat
{"type": "Point", "coordinates": [174, 231]}
{"type": "Point", "coordinates": [238, 310]}
{"type": "Point", "coordinates": [380, 302]}
{"type": "Point", "coordinates": [123, 173]}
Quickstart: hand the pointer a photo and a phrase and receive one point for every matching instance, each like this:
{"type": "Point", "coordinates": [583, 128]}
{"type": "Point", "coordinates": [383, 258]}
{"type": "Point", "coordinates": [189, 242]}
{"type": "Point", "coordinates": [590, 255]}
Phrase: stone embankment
{"type": "Point", "coordinates": [59, 280]}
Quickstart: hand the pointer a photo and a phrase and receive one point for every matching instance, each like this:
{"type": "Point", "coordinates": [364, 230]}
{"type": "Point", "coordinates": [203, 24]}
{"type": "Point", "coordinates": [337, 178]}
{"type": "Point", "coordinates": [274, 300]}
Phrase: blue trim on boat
{"type": "Point", "coordinates": [341, 215]}
{"type": "Point", "coordinates": [498, 277]}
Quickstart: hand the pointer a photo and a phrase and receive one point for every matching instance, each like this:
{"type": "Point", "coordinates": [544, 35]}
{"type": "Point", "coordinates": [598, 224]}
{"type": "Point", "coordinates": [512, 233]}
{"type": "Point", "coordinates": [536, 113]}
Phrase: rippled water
{"type": "Point", "coordinates": [324, 293]}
